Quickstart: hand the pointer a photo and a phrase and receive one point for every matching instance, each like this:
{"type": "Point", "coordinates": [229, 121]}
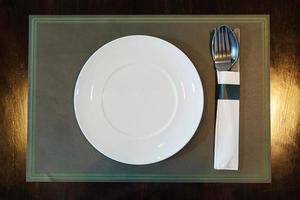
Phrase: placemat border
{"type": "Point", "coordinates": [34, 20]}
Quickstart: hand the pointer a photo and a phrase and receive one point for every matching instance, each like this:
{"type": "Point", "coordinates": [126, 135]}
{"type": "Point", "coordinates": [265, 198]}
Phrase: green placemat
{"type": "Point", "coordinates": [60, 45]}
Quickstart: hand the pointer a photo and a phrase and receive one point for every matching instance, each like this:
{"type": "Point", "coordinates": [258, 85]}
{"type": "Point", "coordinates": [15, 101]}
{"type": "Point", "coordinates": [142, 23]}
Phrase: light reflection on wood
{"type": "Point", "coordinates": [285, 105]}
{"type": "Point", "coordinates": [15, 115]}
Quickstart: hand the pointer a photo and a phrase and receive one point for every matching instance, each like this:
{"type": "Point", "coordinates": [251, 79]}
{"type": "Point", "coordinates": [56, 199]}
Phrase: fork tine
{"type": "Point", "coordinates": [219, 42]}
{"type": "Point", "coordinates": [215, 42]}
{"type": "Point", "coordinates": [223, 42]}
{"type": "Point", "coordinates": [227, 45]}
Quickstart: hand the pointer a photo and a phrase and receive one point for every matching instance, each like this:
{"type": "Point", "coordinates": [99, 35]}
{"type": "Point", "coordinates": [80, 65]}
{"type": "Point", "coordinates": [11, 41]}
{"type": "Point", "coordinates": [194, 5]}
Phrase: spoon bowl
{"type": "Point", "coordinates": [233, 41]}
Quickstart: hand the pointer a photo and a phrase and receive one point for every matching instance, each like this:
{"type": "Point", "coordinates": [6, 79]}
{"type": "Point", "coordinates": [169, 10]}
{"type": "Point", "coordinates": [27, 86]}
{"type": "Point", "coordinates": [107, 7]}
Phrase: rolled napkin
{"type": "Point", "coordinates": [226, 154]}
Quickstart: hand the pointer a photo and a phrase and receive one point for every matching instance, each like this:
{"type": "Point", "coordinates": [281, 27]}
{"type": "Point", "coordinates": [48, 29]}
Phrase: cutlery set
{"type": "Point", "coordinates": [225, 53]}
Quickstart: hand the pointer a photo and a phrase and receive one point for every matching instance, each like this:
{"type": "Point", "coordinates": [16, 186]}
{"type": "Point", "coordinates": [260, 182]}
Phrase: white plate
{"type": "Point", "coordinates": [138, 99]}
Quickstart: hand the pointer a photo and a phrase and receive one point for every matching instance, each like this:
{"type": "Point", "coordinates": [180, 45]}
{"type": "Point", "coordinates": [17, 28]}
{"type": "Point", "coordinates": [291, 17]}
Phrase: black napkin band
{"type": "Point", "coordinates": [228, 91]}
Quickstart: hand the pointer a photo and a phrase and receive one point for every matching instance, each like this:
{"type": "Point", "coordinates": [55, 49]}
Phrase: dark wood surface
{"type": "Point", "coordinates": [285, 101]}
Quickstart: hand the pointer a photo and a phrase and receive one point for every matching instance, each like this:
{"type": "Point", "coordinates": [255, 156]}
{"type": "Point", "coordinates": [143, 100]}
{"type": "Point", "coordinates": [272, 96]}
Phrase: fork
{"type": "Point", "coordinates": [222, 49]}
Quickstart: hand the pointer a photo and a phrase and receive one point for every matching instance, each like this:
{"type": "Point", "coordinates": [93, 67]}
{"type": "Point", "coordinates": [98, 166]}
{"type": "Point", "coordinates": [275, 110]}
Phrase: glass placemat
{"type": "Point", "coordinates": [60, 45]}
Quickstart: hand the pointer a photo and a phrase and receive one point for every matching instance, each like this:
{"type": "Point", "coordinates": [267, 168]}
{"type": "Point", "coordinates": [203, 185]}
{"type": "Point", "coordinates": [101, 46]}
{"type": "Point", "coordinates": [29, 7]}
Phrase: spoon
{"type": "Point", "coordinates": [233, 43]}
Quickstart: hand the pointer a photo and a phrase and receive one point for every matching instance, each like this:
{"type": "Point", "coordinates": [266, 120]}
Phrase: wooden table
{"type": "Point", "coordinates": [285, 103]}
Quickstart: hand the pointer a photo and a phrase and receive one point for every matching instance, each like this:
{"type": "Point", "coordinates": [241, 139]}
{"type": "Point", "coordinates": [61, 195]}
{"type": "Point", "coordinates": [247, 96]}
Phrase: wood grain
{"type": "Point", "coordinates": [285, 95]}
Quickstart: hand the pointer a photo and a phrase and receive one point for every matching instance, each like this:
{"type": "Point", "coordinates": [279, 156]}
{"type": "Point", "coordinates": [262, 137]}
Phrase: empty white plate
{"type": "Point", "coordinates": [138, 99]}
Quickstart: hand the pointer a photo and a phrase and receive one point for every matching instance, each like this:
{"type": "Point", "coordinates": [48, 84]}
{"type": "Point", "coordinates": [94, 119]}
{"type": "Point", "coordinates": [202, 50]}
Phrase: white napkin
{"type": "Point", "coordinates": [227, 122]}
{"type": "Point", "coordinates": [227, 126]}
